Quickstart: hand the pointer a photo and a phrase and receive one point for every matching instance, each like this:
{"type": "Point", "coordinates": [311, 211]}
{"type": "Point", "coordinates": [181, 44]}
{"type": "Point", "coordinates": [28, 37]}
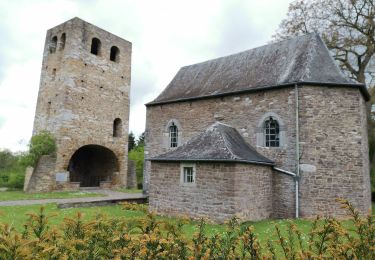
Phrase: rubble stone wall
{"type": "Point", "coordinates": [81, 94]}
{"type": "Point", "coordinates": [333, 141]}
{"type": "Point", "coordinates": [220, 191]}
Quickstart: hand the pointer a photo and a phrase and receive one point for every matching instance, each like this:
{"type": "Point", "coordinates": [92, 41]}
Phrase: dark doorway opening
{"type": "Point", "coordinates": [92, 164]}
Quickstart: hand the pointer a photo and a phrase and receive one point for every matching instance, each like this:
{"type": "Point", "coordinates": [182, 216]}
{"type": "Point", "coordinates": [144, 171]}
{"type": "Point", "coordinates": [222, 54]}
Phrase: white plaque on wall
{"type": "Point", "coordinates": [62, 176]}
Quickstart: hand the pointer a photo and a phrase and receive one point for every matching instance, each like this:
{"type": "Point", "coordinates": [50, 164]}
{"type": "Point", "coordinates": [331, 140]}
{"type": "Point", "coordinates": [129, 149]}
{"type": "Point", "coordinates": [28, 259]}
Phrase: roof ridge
{"type": "Point", "coordinates": [226, 143]}
{"type": "Point", "coordinates": [312, 49]}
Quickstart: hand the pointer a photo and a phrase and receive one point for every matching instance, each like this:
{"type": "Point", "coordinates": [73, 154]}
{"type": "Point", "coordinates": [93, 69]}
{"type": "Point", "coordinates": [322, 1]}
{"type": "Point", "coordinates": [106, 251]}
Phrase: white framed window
{"type": "Point", "coordinates": [271, 133]}
{"type": "Point", "coordinates": [188, 172]}
{"type": "Point", "coordinates": [173, 135]}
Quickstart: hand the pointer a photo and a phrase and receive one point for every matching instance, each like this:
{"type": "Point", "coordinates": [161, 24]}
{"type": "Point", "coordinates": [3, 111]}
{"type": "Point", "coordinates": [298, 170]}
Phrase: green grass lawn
{"type": "Point", "coordinates": [129, 190]}
{"type": "Point", "coordinates": [20, 195]}
{"type": "Point", "coordinates": [16, 216]}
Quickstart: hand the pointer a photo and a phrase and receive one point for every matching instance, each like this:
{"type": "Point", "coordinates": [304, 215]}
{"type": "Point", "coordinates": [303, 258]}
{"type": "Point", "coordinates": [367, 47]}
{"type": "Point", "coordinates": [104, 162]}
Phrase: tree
{"type": "Point", "coordinates": [347, 27]}
{"type": "Point", "coordinates": [137, 155]}
{"type": "Point", "coordinates": [131, 141]}
{"type": "Point", "coordinates": [7, 160]}
{"type": "Point", "coordinates": [40, 144]}
{"type": "Point", "coordinates": [141, 139]}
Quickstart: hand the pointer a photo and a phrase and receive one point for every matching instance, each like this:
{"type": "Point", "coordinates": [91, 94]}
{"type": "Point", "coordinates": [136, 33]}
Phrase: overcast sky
{"type": "Point", "coordinates": [166, 35]}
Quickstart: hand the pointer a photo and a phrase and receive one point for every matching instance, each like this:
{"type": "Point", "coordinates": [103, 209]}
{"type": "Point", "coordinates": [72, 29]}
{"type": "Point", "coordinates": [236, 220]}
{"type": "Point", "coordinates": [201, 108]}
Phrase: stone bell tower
{"type": "Point", "coordinates": [83, 101]}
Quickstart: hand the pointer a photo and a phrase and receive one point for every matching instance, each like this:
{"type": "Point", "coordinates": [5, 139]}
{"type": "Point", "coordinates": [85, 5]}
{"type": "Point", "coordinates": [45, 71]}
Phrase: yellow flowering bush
{"type": "Point", "coordinates": [152, 238]}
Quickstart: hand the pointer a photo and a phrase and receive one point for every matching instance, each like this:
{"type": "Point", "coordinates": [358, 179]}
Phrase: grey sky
{"type": "Point", "coordinates": [165, 35]}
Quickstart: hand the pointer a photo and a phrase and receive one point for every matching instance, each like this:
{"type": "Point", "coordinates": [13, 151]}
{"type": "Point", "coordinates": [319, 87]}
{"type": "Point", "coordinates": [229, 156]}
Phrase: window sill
{"type": "Point", "coordinates": [273, 148]}
{"type": "Point", "coordinates": [193, 184]}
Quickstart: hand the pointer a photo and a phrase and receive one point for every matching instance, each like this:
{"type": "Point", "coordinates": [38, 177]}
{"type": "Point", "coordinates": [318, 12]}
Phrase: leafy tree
{"type": "Point", "coordinates": [347, 27]}
{"type": "Point", "coordinates": [7, 160]}
{"type": "Point", "coordinates": [40, 144]}
{"type": "Point", "coordinates": [11, 172]}
{"type": "Point", "coordinates": [131, 141]}
{"type": "Point", "coordinates": [141, 139]}
{"type": "Point", "coordinates": [137, 155]}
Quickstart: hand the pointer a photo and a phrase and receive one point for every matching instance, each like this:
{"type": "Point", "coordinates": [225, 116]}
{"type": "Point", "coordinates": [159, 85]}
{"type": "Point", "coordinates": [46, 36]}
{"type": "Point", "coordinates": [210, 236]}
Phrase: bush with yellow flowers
{"type": "Point", "coordinates": [153, 238]}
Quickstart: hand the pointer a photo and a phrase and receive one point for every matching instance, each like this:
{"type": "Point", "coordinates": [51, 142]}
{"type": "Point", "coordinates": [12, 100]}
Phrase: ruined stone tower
{"type": "Point", "coordinates": [83, 101]}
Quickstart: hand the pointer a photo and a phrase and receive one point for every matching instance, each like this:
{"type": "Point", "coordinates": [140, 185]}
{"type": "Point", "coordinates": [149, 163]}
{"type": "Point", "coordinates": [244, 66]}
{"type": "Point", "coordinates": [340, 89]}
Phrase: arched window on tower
{"type": "Point", "coordinates": [115, 54]}
{"type": "Point", "coordinates": [117, 128]}
{"type": "Point", "coordinates": [271, 132]}
{"type": "Point", "coordinates": [95, 46]}
{"type": "Point", "coordinates": [53, 44]}
{"type": "Point", "coordinates": [173, 135]}
{"type": "Point", "coordinates": [62, 41]}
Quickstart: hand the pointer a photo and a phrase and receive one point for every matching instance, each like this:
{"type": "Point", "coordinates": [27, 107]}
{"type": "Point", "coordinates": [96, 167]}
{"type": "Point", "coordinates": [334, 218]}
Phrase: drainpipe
{"type": "Point", "coordinates": [296, 178]}
{"type": "Point", "coordinates": [285, 172]}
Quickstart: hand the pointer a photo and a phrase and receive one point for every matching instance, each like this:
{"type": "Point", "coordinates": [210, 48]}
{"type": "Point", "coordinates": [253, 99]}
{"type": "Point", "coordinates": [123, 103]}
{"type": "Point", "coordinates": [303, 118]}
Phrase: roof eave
{"type": "Point", "coordinates": [156, 159]}
{"type": "Point", "coordinates": [362, 88]}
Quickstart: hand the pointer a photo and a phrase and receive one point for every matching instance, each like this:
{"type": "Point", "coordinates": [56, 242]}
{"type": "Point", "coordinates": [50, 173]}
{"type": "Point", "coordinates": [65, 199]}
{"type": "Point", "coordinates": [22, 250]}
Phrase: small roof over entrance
{"type": "Point", "coordinates": [218, 143]}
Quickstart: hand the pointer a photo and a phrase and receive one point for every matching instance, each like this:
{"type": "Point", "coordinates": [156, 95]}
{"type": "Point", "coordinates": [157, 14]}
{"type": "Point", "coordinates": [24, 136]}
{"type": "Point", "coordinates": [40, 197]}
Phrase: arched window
{"type": "Point", "coordinates": [117, 127]}
{"type": "Point", "coordinates": [95, 46]}
{"type": "Point", "coordinates": [271, 132]}
{"type": "Point", "coordinates": [62, 41]}
{"type": "Point", "coordinates": [173, 135]}
{"type": "Point", "coordinates": [115, 53]}
{"type": "Point", "coordinates": [53, 44]}
{"type": "Point", "coordinates": [53, 74]}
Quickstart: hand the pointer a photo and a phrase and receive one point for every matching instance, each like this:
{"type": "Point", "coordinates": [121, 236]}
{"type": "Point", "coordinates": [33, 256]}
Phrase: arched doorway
{"type": "Point", "coordinates": [92, 164]}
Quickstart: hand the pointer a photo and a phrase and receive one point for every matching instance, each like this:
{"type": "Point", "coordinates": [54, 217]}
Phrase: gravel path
{"type": "Point", "coordinates": [110, 195]}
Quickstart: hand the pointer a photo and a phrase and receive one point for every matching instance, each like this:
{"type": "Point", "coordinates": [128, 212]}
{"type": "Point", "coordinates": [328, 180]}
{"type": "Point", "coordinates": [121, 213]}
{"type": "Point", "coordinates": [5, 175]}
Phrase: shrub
{"type": "Point", "coordinates": [8, 160]}
{"type": "Point", "coordinates": [13, 180]}
{"type": "Point", "coordinates": [11, 172]}
{"type": "Point", "coordinates": [151, 238]}
{"type": "Point", "coordinates": [40, 144]}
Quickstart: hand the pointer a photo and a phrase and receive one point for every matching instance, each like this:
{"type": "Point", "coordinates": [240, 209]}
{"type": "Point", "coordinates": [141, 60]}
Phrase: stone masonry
{"type": "Point", "coordinates": [41, 178]}
{"type": "Point", "coordinates": [333, 142]}
{"type": "Point", "coordinates": [83, 101]}
{"type": "Point", "coordinates": [220, 192]}
{"type": "Point", "coordinates": [244, 112]}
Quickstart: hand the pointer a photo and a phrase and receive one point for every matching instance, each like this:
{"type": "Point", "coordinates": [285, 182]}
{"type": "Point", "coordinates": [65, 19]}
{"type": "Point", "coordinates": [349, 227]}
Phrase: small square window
{"type": "Point", "coordinates": [188, 174]}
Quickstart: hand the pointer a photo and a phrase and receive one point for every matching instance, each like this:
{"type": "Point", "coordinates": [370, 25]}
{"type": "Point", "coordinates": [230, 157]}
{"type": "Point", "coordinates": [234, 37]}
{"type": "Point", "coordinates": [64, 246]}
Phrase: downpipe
{"type": "Point", "coordinates": [297, 177]}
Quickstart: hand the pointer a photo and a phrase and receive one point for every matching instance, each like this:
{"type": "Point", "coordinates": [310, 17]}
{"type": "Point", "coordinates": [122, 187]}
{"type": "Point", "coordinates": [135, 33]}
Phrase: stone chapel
{"type": "Point", "coordinates": [273, 132]}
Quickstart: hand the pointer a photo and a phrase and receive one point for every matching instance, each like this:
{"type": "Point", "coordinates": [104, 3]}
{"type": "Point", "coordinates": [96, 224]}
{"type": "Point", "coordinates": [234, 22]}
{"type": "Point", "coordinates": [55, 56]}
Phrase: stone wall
{"type": "Point", "coordinates": [28, 173]}
{"type": "Point", "coordinates": [283, 196]}
{"type": "Point", "coordinates": [334, 150]}
{"type": "Point", "coordinates": [253, 192]}
{"type": "Point", "coordinates": [333, 141]}
{"type": "Point", "coordinates": [81, 94]}
{"type": "Point", "coordinates": [244, 112]}
{"type": "Point", "coordinates": [221, 191]}
{"type": "Point", "coordinates": [43, 177]}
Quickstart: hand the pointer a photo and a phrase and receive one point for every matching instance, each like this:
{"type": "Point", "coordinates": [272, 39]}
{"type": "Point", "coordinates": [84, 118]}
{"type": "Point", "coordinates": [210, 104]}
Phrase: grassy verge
{"type": "Point", "coordinates": [20, 195]}
{"type": "Point", "coordinates": [17, 216]}
{"type": "Point", "coordinates": [129, 190]}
